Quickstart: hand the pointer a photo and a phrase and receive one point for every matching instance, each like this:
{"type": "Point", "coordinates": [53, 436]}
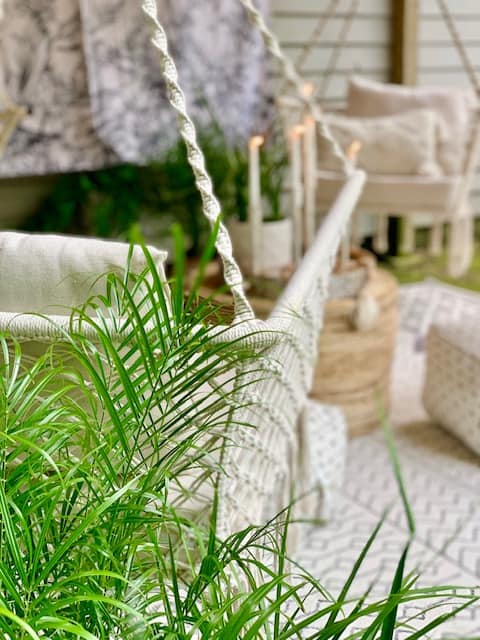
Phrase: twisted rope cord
{"type": "Point", "coordinates": [291, 75]}
{"type": "Point", "coordinates": [457, 238]}
{"type": "Point", "coordinates": [315, 37]}
{"type": "Point", "coordinates": [458, 42]}
{"type": "Point", "coordinates": [211, 206]}
{"type": "Point", "coordinates": [339, 47]}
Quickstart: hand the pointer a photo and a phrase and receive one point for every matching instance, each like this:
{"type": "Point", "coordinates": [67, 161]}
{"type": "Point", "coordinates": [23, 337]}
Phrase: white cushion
{"type": "Point", "coordinates": [453, 106]}
{"type": "Point", "coordinates": [451, 394]}
{"type": "Point", "coordinates": [404, 143]}
{"type": "Point", "coordinates": [51, 274]}
{"type": "Point", "coordinates": [403, 194]}
{"type": "Point", "coordinates": [322, 458]}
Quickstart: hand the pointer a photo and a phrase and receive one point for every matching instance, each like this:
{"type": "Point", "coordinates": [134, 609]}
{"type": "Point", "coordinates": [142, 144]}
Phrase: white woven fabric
{"type": "Point", "coordinates": [399, 144]}
{"type": "Point", "coordinates": [323, 454]}
{"type": "Point", "coordinates": [261, 467]}
{"type": "Point", "coordinates": [453, 106]}
{"type": "Point", "coordinates": [451, 394]}
{"type": "Point", "coordinates": [50, 274]}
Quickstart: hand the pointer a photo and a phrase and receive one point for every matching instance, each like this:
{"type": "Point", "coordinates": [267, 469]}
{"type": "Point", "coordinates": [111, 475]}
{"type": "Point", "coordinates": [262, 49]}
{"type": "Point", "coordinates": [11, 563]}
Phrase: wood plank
{"type": "Point", "coordinates": [351, 59]}
{"type": "Point", "coordinates": [379, 7]}
{"type": "Point", "coordinates": [436, 30]}
{"type": "Point", "coordinates": [337, 87]}
{"type": "Point", "coordinates": [299, 29]}
{"type": "Point", "coordinates": [444, 76]}
{"type": "Point", "coordinates": [438, 56]}
{"type": "Point", "coordinates": [404, 41]}
{"type": "Point", "coordinates": [457, 7]}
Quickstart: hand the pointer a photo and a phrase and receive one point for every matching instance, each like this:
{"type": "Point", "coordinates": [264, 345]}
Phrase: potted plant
{"type": "Point", "coordinates": [262, 235]}
{"type": "Point", "coordinates": [93, 544]}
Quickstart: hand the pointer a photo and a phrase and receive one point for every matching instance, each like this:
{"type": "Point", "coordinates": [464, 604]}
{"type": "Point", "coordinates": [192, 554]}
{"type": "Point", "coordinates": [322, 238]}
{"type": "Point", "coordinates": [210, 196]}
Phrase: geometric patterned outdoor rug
{"type": "Point", "coordinates": [442, 478]}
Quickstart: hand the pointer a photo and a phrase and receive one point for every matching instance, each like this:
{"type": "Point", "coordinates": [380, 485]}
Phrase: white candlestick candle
{"type": "Point", "coordinates": [297, 189]}
{"type": "Point", "coordinates": [255, 214]}
{"type": "Point", "coordinates": [310, 179]}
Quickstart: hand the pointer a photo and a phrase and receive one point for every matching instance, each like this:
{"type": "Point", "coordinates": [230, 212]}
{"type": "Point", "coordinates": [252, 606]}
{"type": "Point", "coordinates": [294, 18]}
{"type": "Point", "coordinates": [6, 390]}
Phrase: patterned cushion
{"type": "Point", "coordinates": [453, 106]}
{"type": "Point", "coordinates": [323, 453]}
{"type": "Point", "coordinates": [399, 144]}
{"type": "Point", "coordinates": [452, 380]}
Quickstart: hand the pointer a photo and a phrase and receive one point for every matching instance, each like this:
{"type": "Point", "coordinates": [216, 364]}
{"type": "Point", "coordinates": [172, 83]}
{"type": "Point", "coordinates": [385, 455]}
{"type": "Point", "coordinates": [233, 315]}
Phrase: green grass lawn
{"type": "Point", "coordinates": [417, 267]}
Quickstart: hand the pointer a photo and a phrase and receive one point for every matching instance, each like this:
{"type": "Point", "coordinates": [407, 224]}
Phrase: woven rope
{"type": "Point", "coordinates": [317, 33]}
{"type": "Point", "coordinates": [315, 37]}
{"type": "Point", "coordinates": [262, 468]}
{"type": "Point", "coordinates": [339, 47]}
{"type": "Point", "coordinates": [275, 404]}
{"type": "Point", "coordinates": [461, 236]}
{"type": "Point", "coordinates": [211, 206]}
{"type": "Point", "coordinates": [462, 51]}
{"type": "Point", "coordinates": [292, 76]}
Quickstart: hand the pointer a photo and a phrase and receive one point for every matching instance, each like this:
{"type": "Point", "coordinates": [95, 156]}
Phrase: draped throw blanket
{"type": "Point", "coordinates": [91, 81]}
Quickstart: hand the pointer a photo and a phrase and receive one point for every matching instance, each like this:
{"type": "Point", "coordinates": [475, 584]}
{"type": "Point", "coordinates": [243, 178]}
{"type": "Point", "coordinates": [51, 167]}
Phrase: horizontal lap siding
{"type": "Point", "coordinates": [439, 62]}
{"type": "Point", "coordinates": [367, 52]}
{"type": "Point", "coordinates": [368, 49]}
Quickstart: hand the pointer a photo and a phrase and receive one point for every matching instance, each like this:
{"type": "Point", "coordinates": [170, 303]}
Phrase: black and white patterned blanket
{"type": "Point", "coordinates": [92, 80]}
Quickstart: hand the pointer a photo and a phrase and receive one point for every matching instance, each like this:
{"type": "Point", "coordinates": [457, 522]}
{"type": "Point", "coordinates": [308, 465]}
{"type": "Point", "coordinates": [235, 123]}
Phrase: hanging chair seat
{"type": "Point", "coordinates": [456, 144]}
{"type": "Point", "coordinates": [392, 194]}
{"type": "Point", "coordinates": [259, 467]}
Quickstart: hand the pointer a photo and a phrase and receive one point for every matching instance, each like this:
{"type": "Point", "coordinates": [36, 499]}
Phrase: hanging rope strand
{"type": "Point", "coordinates": [291, 75]}
{"type": "Point", "coordinates": [338, 48]}
{"type": "Point", "coordinates": [316, 35]}
{"type": "Point", "coordinates": [211, 206]}
{"type": "Point", "coordinates": [458, 42]}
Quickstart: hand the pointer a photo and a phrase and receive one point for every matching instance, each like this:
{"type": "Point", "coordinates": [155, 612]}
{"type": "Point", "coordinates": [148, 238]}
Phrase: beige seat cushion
{"type": "Point", "coordinates": [453, 106]}
{"type": "Point", "coordinates": [403, 193]}
{"type": "Point", "coordinates": [51, 274]}
{"type": "Point", "coordinates": [399, 144]}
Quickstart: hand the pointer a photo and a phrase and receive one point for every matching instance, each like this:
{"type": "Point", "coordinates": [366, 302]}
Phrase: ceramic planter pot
{"type": "Point", "coordinates": [275, 247]}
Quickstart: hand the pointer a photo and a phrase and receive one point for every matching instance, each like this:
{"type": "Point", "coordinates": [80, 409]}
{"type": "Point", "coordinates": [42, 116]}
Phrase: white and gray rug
{"type": "Point", "coordinates": [442, 479]}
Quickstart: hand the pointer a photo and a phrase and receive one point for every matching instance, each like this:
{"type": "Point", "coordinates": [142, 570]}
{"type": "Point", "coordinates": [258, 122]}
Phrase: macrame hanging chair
{"type": "Point", "coordinates": [444, 197]}
{"type": "Point", "coordinates": [263, 466]}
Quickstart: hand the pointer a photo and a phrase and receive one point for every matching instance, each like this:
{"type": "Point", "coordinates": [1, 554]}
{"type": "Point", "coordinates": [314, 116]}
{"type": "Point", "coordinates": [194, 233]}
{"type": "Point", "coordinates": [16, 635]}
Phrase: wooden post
{"type": "Point", "coordinates": [404, 70]}
{"type": "Point", "coordinates": [404, 48]}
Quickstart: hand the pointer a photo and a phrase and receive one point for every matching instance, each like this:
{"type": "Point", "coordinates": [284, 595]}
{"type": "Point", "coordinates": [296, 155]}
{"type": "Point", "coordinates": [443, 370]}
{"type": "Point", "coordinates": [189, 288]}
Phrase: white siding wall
{"type": "Point", "coordinates": [367, 52]}
{"type": "Point", "coordinates": [439, 62]}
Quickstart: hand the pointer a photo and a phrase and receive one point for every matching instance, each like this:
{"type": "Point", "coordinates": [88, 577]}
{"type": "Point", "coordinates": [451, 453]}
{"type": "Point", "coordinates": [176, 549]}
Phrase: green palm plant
{"type": "Point", "coordinates": [104, 443]}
